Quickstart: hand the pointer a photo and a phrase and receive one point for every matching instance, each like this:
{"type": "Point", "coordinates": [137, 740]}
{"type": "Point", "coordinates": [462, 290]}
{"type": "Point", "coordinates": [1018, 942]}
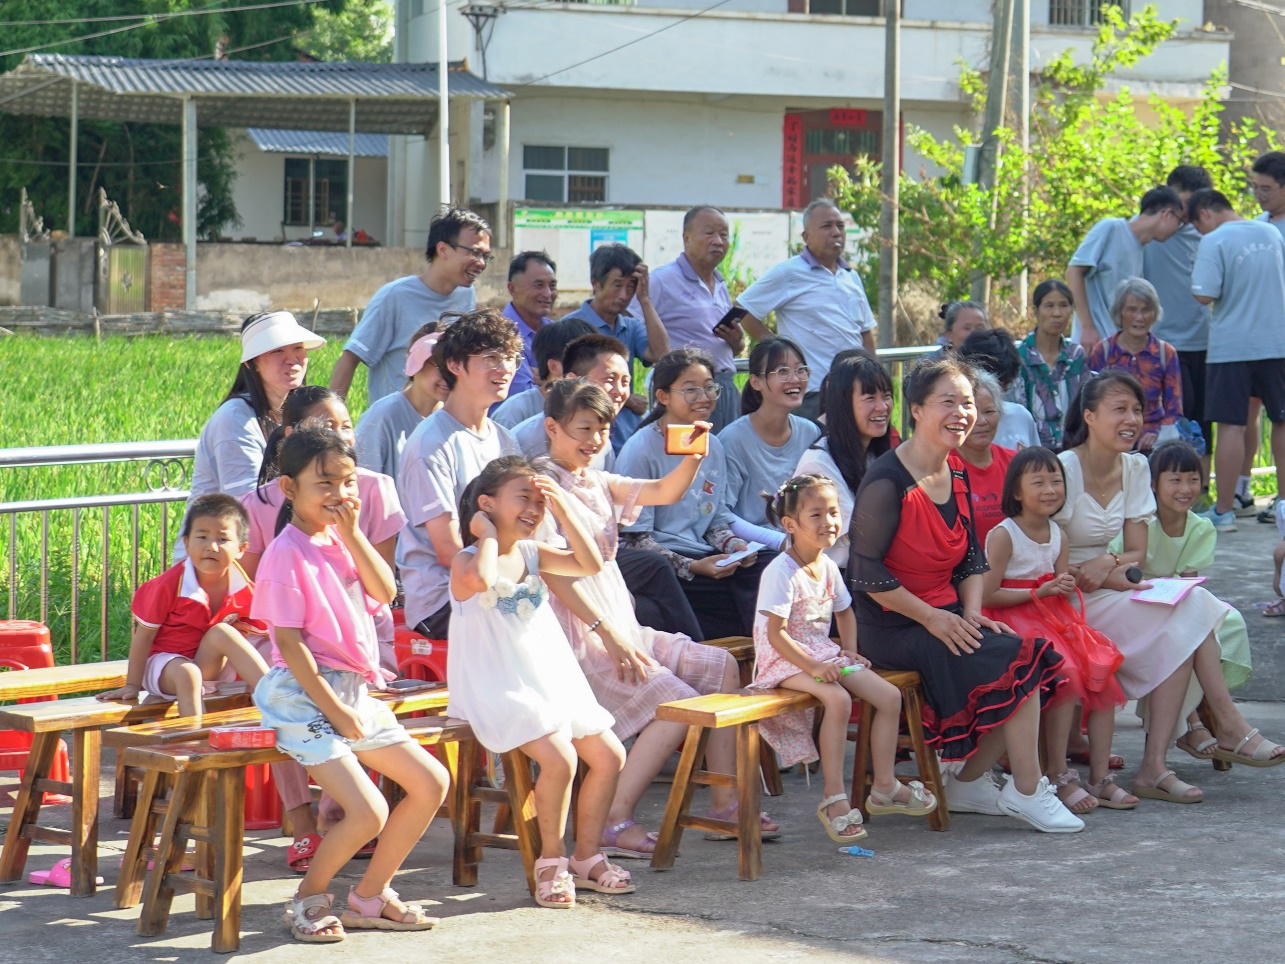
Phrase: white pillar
{"type": "Point", "coordinates": [443, 109]}
{"type": "Point", "coordinates": [502, 146]}
{"type": "Point", "coordinates": [71, 176]}
{"type": "Point", "coordinates": [189, 197]}
{"type": "Point", "coordinates": [889, 214]}
{"type": "Point", "coordinates": [352, 168]}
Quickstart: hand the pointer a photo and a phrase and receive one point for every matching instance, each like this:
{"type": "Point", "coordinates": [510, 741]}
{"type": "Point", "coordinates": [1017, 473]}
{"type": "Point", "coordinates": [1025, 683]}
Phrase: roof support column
{"type": "Point", "coordinates": [189, 198]}
{"type": "Point", "coordinates": [443, 109]}
{"type": "Point", "coordinates": [502, 143]}
{"type": "Point", "coordinates": [71, 176]}
{"type": "Point", "coordinates": [352, 168]}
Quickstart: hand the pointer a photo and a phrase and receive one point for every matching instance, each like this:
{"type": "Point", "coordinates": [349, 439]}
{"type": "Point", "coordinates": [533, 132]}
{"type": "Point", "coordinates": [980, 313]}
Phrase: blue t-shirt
{"type": "Point", "coordinates": [754, 467]}
{"type": "Point", "coordinates": [1241, 265]}
{"type": "Point", "coordinates": [1184, 321]}
{"type": "Point", "coordinates": [1112, 254]}
{"type": "Point", "coordinates": [632, 333]}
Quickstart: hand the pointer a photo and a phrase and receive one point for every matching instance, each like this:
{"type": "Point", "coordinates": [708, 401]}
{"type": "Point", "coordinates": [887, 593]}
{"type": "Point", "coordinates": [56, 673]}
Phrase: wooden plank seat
{"type": "Point", "coordinates": [912, 739]}
{"type": "Point", "coordinates": [702, 715]}
{"type": "Point", "coordinates": [84, 718]}
{"type": "Point", "coordinates": [23, 684]}
{"type": "Point", "coordinates": [193, 792]}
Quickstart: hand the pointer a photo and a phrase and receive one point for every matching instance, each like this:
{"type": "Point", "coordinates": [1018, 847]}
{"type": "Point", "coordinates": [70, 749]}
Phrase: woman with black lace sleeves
{"type": "Point", "coordinates": [916, 571]}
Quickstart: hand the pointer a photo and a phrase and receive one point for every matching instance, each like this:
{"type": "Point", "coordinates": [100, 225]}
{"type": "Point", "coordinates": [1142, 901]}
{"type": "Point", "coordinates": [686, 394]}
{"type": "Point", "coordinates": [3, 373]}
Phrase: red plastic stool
{"type": "Point", "coordinates": [418, 657]}
{"type": "Point", "coordinates": [25, 644]}
{"type": "Point", "coordinates": [262, 802]}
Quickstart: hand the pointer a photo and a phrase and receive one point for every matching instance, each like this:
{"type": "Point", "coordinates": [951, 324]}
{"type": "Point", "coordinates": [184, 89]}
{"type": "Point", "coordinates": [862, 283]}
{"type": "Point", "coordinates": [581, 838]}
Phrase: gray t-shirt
{"type": "Point", "coordinates": [1167, 265]}
{"type": "Point", "coordinates": [1277, 223]}
{"type": "Point", "coordinates": [1016, 427]}
{"type": "Point", "coordinates": [229, 454]}
{"type": "Point", "coordinates": [680, 527]}
{"type": "Point", "coordinates": [518, 408]}
{"type": "Point", "coordinates": [1112, 254]}
{"type": "Point", "coordinates": [382, 337]}
{"type": "Point", "coordinates": [533, 440]}
{"type": "Point", "coordinates": [441, 457]}
{"type": "Point", "coordinates": [1241, 265]}
{"type": "Point", "coordinates": [382, 433]}
{"type": "Point", "coordinates": [754, 467]}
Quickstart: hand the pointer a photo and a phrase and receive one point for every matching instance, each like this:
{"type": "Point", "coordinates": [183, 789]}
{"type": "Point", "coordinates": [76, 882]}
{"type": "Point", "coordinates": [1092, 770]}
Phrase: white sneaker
{"type": "Point", "coordinates": [976, 796]}
{"type": "Point", "coordinates": [1042, 809]}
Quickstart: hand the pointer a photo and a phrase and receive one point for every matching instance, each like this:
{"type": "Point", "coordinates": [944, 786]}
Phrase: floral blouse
{"type": "Point", "coordinates": [1047, 392]}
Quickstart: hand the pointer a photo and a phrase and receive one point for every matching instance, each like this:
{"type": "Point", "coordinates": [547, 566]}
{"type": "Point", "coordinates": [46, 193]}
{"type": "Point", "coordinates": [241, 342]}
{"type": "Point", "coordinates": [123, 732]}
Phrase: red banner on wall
{"type": "Point", "coordinates": [792, 163]}
{"type": "Point", "coordinates": [848, 117]}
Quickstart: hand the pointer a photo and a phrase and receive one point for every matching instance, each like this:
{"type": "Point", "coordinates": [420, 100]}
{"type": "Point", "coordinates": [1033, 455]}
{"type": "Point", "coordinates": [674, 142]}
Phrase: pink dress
{"type": "Point", "coordinates": [685, 669]}
{"type": "Point", "coordinates": [806, 604]}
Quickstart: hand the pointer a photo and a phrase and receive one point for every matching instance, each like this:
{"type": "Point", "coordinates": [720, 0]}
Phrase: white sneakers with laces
{"type": "Point", "coordinates": [975, 796]}
{"type": "Point", "coordinates": [1042, 809]}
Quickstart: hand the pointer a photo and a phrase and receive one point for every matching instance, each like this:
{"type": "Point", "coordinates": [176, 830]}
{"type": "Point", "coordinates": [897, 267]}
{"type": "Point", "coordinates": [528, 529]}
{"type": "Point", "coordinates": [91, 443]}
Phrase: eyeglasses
{"type": "Point", "coordinates": [477, 254]}
{"type": "Point", "coordinates": [495, 361]}
{"type": "Point", "coordinates": [693, 395]}
{"type": "Point", "coordinates": [801, 373]}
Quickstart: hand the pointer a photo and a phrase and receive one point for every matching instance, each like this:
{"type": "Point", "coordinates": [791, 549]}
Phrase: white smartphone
{"type": "Point", "coordinates": [736, 557]}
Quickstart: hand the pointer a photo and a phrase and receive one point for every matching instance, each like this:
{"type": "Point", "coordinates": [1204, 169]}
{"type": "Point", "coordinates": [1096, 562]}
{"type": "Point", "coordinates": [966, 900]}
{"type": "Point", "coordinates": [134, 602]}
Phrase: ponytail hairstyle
{"type": "Point", "coordinates": [569, 396]}
{"type": "Point", "coordinates": [490, 480]}
{"type": "Point", "coordinates": [1075, 430]}
{"type": "Point", "coordinates": [669, 369]}
{"type": "Point", "coordinates": [856, 367]}
{"type": "Point", "coordinates": [294, 410]}
{"type": "Point", "coordinates": [767, 355]}
{"type": "Point", "coordinates": [248, 385]}
{"type": "Point", "coordinates": [302, 448]}
{"type": "Point", "coordinates": [1030, 459]}
{"type": "Point", "coordinates": [785, 500]}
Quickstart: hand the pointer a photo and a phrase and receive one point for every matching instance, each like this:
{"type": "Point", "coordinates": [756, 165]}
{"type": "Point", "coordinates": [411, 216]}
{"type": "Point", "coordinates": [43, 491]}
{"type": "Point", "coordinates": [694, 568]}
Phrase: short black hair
{"type": "Point", "coordinates": [993, 350]}
{"type": "Point", "coordinates": [1206, 199]}
{"type": "Point", "coordinates": [474, 333]}
{"type": "Point", "coordinates": [221, 507]}
{"type": "Point", "coordinates": [523, 261]}
{"type": "Point", "coordinates": [1174, 455]}
{"type": "Point", "coordinates": [584, 352]}
{"type": "Point", "coordinates": [1190, 178]}
{"type": "Point", "coordinates": [1273, 165]}
{"type": "Point", "coordinates": [618, 256]}
{"type": "Point", "coordinates": [1160, 199]}
{"type": "Point", "coordinates": [552, 339]}
{"type": "Point", "coordinates": [696, 212]}
{"type": "Point", "coordinates": [1027, 460]}
{"type": "Point", "coordinates": [448, 224]}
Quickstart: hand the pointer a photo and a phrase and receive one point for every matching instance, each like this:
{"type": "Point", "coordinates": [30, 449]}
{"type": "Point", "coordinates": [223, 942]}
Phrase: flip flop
{"type": "Point", "coordinates": [1173, 795]}
{"type": "Point", "coordinates": [59, 875]}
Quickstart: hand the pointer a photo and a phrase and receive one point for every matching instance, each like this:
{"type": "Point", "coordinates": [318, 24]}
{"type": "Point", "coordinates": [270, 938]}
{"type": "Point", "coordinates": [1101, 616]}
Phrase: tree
{"type": "Point", "coordinates": [360, 31]}
{"type": "Point", "coordinates": [140, 164]}
{"type": "Point", "coordinates": [1091, 157]}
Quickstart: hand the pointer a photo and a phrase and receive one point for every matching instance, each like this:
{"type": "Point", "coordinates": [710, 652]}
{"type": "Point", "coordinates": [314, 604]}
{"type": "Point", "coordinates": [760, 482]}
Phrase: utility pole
{"type": "Point", "coordinates": [890, 173]}
{"type": "Point", "coordinates": [1021, 78]}
{"type": "Point", "coordinates": [993, 119]}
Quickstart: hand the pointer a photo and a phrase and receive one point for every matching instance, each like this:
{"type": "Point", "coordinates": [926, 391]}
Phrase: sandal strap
{"type": "Point", "coordinates": [560, 884]}
{"type": "Point", "coordinates": [1068, 776]}
{"type": "Point", "coordinates": [1248, 736]}
{"type": "Point", "coordinates": [829, 801]}
{"type": "Point", "coordinates": [612, 833]}
{"type": "Point", "coordinates": [300, 908]}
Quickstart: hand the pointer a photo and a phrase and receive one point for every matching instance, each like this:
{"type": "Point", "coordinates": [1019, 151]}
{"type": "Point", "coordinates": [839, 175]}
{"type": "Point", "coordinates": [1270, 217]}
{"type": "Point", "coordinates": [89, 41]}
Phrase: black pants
{"type": "Point", "coordinates": [726, 607]}
{"type": "Point", "coordinates": [436, 625]}
{"type": "Point", "coordinates": [658, 595]}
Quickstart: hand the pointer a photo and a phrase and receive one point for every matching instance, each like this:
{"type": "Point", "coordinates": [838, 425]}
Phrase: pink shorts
{"type": "Point", "coordinates": [156, 664]}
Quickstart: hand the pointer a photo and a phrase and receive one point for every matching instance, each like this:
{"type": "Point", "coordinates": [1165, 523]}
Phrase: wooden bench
{"type": "Point", "coordinates": [742, 650]}
{"type": "Point", "coordinates": [84, 718]}
{"type": "Point", "coordinates": [702, 715]}
{"type": "Point", "coordinates": [929, 773]}
{"type": "Point", "coordinates": [24, 684]}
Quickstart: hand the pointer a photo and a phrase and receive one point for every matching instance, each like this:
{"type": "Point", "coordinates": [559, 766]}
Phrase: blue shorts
{"type": "Point", "coordinates": [304, 733]}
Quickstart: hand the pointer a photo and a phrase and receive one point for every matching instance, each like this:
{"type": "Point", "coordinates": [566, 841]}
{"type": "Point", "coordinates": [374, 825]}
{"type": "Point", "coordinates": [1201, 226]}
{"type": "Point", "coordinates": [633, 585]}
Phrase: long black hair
{"type": "Point", "coordinates": [850, 453]}
{"type": "Point", "coordinates": [298, 402]}
{"type": "Point", "coordinates": [767, 355]}
{"type": "Point", "coordinates": [669, 369]}
{"type": "Point", "coordinates": [248, 385]}
{"type": "Point", "coordinates": [302, 448]}
{"type": "Point", "coordinates": [1075, 429]}
{"type": "Point", "coordinates": [489, 481]}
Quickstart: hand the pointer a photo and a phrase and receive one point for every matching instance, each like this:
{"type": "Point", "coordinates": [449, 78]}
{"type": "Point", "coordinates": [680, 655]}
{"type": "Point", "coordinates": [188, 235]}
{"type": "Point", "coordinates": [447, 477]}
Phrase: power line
{"type": "Point", "coordinates": [72, 21]}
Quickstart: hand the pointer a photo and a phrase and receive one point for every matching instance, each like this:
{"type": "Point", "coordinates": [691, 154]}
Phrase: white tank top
{"type": "Point", "coordinates": [1031, 559]}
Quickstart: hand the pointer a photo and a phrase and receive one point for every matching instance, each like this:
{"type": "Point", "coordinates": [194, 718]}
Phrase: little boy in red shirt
{"type": "Point", "coordinates": [191, 619]}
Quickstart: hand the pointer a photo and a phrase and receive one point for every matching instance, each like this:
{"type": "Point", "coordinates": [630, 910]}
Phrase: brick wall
{"type": "Point", "coordinates": [166, 277]}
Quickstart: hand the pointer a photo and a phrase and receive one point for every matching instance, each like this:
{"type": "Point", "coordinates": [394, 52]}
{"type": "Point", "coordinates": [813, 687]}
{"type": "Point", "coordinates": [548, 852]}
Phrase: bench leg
{"type": "Point", "coordinates": [26, 808]}
{"type": "Point", "coordinates": [142, 831]}
{"type": "Point", "coordinates": [521, 790]}
{"type": "Point", "coordinates": [87, 744]}
{"type": "Point", "coordinates": [925, 758]}
{"type": "Point", "coordinates": [861, 761]}
{"type": "Point", "coordinates": [228, 833]}
{"type": "Point", "coordinates": [680, 798]}
{"type": "Point", "coordinates": [158, 895]}
{"type": "Point", "coordinates": [125, 797]}
{"type": "Point", "coordinates": [466, 816]}
{"type": "Point", "coordinates": [749, 795]}
{"type": "Point", "coordinates": [206, 805]}
{"type": "Point", "coordinates": [771, 768]}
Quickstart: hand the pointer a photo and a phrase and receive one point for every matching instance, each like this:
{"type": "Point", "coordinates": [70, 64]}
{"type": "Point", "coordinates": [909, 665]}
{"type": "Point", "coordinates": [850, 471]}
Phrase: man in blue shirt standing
{"type": "Point", "coordinates": [533, 288]}
{"type": "Point", "coordinates": [618, 276]}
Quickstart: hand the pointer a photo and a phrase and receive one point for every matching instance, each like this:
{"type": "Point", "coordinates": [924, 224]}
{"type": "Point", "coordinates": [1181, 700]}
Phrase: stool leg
{"type": "Point", "coordinates": [749, 835]}
{"type": "Point", "coordinates": [158, 894]}
{"type": "Point", "coordinates": [26, 809]}
{"type": "Point", "coordinates": [87, 743]}
{"type": "Point", "coordinates": [142, 831]}
{"type": "Point", "coordinates": [228, 832]}
{"type": "Point", "coordinates": [521, 790]}
{"type": "Point", "coordinates": [466, 817]}
{"type": "Point", "coordinates": [125, 798]}
{"type": "Point", "coordinates": [771, 768]}
{"type": "Point", "coordinates": [925, 758]}
{"type": "Point", "coordinates": [207, 807]}
{"type": "Point", "coordinates": [861, 761]}
{"type": "Point", "coordinates": [680, 798]}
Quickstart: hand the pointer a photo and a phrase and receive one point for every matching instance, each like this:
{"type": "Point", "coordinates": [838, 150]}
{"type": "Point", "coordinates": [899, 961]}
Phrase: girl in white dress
{"type": "Point", "coordinates": [513, 676]}
{"type": "Point", "coordinates": [1108, 492]}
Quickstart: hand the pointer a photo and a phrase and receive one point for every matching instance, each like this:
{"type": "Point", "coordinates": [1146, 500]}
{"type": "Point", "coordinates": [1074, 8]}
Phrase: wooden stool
{"type": "Point", "coordinates": [929, 773]}
{"type": "Point", "coordinates": [518, 796]}
{"type": "Point", "coordinates": [703, 715]}
{"type": "Point", "coordinates": [742, 650]}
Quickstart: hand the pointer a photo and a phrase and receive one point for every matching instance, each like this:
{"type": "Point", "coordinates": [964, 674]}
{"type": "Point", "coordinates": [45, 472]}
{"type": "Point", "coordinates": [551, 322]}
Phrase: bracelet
{"type": "Point", "coordinates": [596, 623]}
{"type": "Point", "coordinates": [1116, 557]}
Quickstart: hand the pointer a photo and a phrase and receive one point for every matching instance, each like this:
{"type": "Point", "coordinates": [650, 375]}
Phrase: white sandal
{"type": "Point", "coordinates": [613, 880]}
{"type": "Point", "coordinates": [834, 825]}
{"type": "Point", "coordinates": [305, 922]}
{"type": "Point", "coordinates": [921, 802]}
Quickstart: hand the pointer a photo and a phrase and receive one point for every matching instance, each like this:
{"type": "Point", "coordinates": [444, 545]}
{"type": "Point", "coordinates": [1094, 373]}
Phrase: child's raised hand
{"type": "Point", "coordinates": [346, 722]}
{"type": "Point", "coordinates": [344, 515]}
{"type": "Point", "coordinates": [126, 694]}
{"type": "Point", "coordinates": [554, 498]}
{"type": "Point", "coordinates": [481, 526]}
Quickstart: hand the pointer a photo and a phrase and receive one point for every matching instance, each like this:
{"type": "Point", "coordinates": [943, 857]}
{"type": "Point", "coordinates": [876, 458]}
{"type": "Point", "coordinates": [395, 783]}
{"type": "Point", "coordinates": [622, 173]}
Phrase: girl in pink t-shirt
{"type": "Point", "coordinates": [314, 406]}
{"type": "Point", "coordinates": [319, 581]}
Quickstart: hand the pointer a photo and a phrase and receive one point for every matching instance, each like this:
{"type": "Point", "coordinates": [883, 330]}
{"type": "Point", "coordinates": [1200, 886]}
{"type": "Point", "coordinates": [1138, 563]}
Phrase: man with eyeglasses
{"type": "Point", "coordinates": [818, 298]}
{"type": "Point", "coordinates": [691, 297]}
{"type": "Point", "coordinates": [1112, 252]}
{"type": "Point", "coordinates": [458, 251]}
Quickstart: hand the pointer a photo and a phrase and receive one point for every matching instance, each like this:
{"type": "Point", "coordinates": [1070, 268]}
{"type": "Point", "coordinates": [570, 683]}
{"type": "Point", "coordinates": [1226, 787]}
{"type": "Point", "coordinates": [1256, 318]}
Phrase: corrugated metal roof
{"type": "Point", "coordinates": [318, 142]}
{"type": "Point", "coordinates": [391, 98]}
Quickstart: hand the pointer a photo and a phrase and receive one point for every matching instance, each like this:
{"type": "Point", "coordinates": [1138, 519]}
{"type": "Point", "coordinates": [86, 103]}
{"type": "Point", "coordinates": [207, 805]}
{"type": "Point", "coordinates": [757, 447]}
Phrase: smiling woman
{"type": "Point", "coordinates": [987, 463]}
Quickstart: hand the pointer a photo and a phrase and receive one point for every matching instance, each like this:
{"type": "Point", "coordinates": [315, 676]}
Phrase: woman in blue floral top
{"type": "Point", "coordinates": [1052, 365]}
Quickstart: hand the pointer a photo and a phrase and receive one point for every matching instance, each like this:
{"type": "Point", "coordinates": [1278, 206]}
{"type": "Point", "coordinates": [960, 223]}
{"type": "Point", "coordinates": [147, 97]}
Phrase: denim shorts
{"type": "Point", "coordinates": [304, 733]}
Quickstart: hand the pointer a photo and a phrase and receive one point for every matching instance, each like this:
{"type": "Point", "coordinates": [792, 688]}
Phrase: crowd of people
{"type": "Point", "coordinates": [579, 544]}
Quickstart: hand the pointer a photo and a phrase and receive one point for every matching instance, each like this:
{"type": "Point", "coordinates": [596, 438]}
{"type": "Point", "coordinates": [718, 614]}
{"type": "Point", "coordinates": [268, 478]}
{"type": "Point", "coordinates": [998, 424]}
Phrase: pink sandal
{"type": "Point", "coordinates": [368, 913]}
{"type": "Point", "coordinates": [559, 885]}
{"type": "Point", "coordinates": [770, 829]}
{"type": "Point", "coordinates": [612, 880]}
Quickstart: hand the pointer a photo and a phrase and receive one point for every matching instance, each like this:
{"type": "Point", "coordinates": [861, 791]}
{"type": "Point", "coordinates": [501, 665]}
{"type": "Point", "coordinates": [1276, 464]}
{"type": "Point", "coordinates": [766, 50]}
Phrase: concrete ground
{"type": "Point", "coordinates": [1161, 883]}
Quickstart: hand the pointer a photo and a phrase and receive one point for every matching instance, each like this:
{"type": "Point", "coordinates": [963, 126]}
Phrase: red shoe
{"type": "Point", "coordinates": [299, 856]}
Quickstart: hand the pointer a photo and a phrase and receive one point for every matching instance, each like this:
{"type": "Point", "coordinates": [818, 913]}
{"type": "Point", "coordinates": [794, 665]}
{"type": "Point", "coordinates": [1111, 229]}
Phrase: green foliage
{"type": "Point", "coordinates": [139, 164]}
{"type": "Point", "coordinates": [1091, 156]}
{"type": "Point", "coordinates": [362, 30]}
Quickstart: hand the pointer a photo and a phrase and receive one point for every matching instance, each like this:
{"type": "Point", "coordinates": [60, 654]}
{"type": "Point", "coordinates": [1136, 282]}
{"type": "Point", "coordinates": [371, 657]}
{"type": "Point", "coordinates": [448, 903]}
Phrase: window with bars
{"type": "Point", "coordinates": [329, 196]}
{"type": "Point", "coordinates": [565, 175]}
{"type": "Point", "coordinates": [1082, 13]}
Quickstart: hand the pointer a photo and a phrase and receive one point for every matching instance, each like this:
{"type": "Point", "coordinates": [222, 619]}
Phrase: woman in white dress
{"type": "Point", "coordinates": [1108, 492]}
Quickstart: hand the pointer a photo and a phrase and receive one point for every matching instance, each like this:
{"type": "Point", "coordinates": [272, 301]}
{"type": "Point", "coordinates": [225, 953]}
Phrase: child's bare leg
{"type": "Point", "coordinates": [652, 747]}
{"type": "Point", "coordinates": [1019, 736]}
{"type": "Point", "coordinates": [720, 752]}
{"type": "Point", "coordinates": [221, 643]}
{"type": "Point", "coordinates": [557, 759]}
{"type": "Point", "coordinates": [183, 678]}
{"type": "Point", "coordinates": [365, 812]}
{"type": "Point", "coordinates": [832, 740]}
{"type": "Point", "coordinates": [886, 700]}
{"type": "Point", "coordinates": [605, 757]}
{"type": "Point", "coordinates": [424, 782]}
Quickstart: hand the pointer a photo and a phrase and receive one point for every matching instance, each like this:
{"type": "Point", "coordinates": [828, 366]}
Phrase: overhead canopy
{"type": "Point", "coordinates": [275, 141]}
{"type": "Point", "coordinates": [390, 98]}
